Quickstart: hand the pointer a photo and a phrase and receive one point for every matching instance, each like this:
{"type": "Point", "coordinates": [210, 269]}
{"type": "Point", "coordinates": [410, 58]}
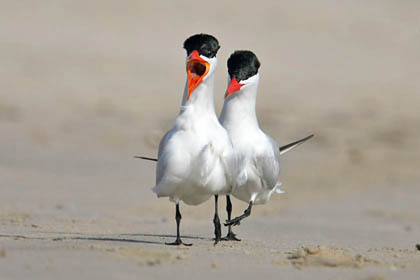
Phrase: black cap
{"type": "Point", "coordinates": [242, 65]}
{"type": "Point", "coordinates": [205, 44]}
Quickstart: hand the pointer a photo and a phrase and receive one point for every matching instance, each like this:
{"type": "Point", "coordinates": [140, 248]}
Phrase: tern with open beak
{"type": "Point", "coordinates": [258, 155]}
{"type": "Point", "coordinates": [195, 158]}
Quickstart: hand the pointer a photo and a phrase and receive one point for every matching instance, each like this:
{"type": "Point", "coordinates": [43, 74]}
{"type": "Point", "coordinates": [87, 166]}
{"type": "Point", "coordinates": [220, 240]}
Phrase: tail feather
{"type": "Point", "coordinates": [290, 146]}
{"type": "Point", "coordinates": [146, 158]}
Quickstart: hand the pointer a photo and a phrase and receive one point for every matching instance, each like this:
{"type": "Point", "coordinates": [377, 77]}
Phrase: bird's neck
{"type": "Point", "coordinates": [239, 111]}
{"type": "Point", "coordinates": [201, 98]}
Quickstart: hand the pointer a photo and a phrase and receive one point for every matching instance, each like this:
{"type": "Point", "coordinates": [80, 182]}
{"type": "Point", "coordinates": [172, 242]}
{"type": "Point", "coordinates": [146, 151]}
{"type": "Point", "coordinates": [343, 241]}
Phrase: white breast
{"type": "Point", "coordinates": [195, 159]}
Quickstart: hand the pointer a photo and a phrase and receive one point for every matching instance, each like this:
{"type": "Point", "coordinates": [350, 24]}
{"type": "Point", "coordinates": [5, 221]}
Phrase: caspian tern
{"type": "Point", "coordinates": [283, 149]}
{"type": "Point", "coordinates": [258, 155]}
{"type": "Point", "coordinates": [195, 158]}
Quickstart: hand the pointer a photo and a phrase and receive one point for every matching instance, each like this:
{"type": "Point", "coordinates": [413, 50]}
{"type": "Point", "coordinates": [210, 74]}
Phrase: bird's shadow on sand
{"type": "Point", "coordinates": [112, 239]}
{"type": "Point", "coordinates": [122, 237]}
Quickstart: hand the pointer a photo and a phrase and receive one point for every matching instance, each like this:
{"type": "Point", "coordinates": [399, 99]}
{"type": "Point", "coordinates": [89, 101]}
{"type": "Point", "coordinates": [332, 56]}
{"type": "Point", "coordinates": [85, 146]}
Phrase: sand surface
{"type": "Point", "coordinates": [85, 85]}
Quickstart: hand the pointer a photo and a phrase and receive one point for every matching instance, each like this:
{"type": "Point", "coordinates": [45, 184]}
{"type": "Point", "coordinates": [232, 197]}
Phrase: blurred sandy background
{"type": "Point", "coordinates": [85, 85]}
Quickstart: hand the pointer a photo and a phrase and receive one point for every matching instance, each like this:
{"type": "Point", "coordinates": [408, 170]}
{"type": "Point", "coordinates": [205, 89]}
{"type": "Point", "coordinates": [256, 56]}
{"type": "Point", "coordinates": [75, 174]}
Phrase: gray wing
{"type": "Point", "coordinates": [268, 164]}
{"type": "Point", "coordinates": [163, 142]}
{"type": "Point", "coordinates": [162, 157]}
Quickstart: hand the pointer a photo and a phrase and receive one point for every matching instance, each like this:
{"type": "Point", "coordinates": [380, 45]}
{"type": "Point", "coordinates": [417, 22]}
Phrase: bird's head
{"type": "Point", "coordinates": [201, 59]}
{"type": "Point", "coordinates": [243, 71]}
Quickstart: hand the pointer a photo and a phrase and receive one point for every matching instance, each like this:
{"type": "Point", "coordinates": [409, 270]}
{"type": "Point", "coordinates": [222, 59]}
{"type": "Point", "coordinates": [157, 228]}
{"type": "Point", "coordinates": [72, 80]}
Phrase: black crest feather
{"type": "Point", "coordinates": [243, 65]}
{"type": "Point", "coordinates": [205, 44]}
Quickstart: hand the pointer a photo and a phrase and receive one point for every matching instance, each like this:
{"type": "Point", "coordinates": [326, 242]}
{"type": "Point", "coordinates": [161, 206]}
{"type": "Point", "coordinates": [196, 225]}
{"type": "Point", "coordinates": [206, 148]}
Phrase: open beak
{"type": "Point", "coordinates": [233, 87]}
{"type": "Point", "coordinates": [197, 69]}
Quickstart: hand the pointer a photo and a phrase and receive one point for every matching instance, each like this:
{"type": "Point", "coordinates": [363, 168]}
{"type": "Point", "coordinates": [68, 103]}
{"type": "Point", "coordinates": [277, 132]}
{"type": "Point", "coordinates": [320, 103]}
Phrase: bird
{"type": "Point", "coordinates": [283, 149]}
{"type": "Point", "coordinates": [196, 159]}
{"type": "Point", "coordinates": [258, 154]}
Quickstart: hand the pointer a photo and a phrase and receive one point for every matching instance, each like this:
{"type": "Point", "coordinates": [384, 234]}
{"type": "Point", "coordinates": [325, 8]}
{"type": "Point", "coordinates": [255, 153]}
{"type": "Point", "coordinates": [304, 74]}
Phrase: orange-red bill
{"type": "Point", "coordinates": [197, 69]}
{"type": "Point", "coordinates": [234, 86]}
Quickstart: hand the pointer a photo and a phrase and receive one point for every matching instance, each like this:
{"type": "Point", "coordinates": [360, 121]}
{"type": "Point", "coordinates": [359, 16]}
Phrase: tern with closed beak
{"type": "Point", "coordinates": [258, 154]}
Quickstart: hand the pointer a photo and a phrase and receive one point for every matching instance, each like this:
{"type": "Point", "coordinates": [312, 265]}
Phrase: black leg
{"type": "Point", "coordinates": [216, 221]}
{"type": "Point", "coordinates": [230, 235]}
{"type": "Point", "coordinates": [237, 221]}
{"type": "Point", "coordinates": [178, 240]}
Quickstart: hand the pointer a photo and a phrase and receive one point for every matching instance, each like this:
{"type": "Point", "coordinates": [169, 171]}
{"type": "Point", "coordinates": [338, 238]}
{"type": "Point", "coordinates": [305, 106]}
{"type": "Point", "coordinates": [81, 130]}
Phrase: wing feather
{"type": "Point", "coordinates": [267, 164]}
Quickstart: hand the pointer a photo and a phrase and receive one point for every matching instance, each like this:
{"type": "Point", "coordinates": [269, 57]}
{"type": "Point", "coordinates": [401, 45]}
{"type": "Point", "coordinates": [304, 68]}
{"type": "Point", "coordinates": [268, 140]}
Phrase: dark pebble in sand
{"type": "Point", "coordinates": [418, 246]}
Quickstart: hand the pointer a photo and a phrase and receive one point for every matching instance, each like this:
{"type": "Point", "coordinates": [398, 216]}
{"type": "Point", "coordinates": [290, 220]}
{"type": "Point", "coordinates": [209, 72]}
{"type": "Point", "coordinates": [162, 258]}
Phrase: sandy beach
{"type": "Point", "coordinates": [85, 86]}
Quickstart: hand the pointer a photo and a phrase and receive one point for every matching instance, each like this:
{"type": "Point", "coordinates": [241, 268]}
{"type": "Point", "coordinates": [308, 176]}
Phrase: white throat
{"type": "Point", "coordinates": [239, 108]}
